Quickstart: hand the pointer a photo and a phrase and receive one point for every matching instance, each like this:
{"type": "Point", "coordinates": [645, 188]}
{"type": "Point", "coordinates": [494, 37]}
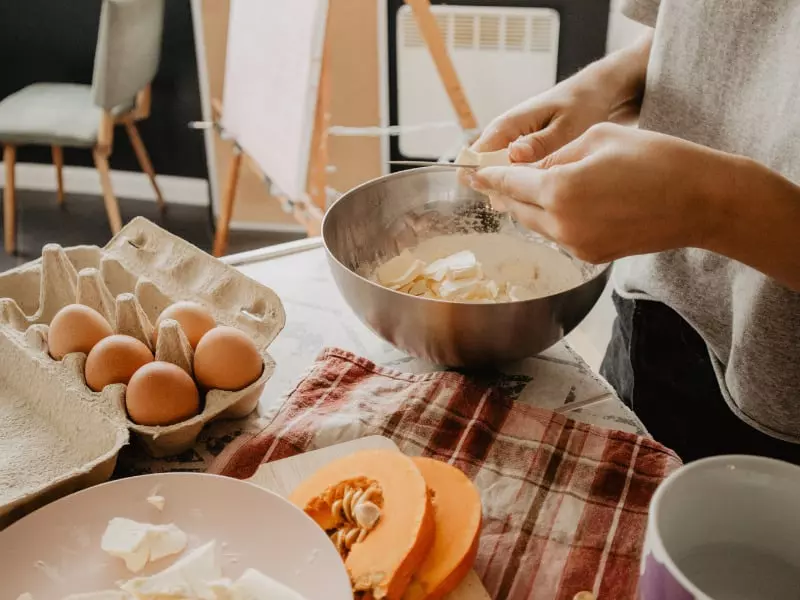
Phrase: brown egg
{"type": "Point", "coordinates": [114, 360]}
{"type": "Point", "coordinates": [193, 318]}
{"type": "Point", "coordinates": [76, 328]}
{"type": "Point", "coordinates": [227, 359]}
{"type": "Point", "coordinates": [160, 393]}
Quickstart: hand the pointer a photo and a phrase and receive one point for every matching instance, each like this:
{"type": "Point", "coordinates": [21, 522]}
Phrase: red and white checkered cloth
{"type": "Point", "coordinates": [565, 503]}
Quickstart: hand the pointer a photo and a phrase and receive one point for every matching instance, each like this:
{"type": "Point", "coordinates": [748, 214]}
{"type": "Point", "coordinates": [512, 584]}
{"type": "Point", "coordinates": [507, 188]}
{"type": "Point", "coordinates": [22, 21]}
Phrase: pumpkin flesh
{"type": "Point", "coordinates": [458, 515]}
{"type": "Point", "coordinates": [381, 565]}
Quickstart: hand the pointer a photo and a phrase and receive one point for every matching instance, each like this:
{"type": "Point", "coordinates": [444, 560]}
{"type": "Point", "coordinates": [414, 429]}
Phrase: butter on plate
{"type": "Point", "coordinates": [139, 543]}
{"type": "Point", "coordinates": [198, 575]}
{"type": "Point", "coordinates": [188, 577]}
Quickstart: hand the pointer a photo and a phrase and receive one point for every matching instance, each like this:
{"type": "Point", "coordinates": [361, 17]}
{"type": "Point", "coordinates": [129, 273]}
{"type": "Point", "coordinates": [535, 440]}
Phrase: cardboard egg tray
{"type": "Point", "coordinates": [57, 435]}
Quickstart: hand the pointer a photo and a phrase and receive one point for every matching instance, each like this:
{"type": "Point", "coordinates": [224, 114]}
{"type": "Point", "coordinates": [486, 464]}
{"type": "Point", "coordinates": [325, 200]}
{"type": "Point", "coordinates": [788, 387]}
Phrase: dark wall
{"type": "Point", "coordinates": [54, 40]}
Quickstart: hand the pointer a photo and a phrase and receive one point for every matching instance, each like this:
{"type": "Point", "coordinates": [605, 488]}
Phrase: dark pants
{"type": "Point", "coordinates": [661, 369]}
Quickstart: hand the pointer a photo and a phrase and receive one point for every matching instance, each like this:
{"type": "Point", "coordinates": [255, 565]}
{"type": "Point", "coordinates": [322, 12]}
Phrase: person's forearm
{"type": "Point", "coordinates": [621, 76]}
{"type": "Point", "coordinates": [758, 219]}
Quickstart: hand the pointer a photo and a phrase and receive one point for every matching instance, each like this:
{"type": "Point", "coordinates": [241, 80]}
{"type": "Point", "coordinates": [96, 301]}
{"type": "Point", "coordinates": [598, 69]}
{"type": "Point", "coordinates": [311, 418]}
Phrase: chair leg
{"type": "Point", "coordinates": [58, 161]}
{"type": "Point", "coordinates": [226, 210]}
{"type": "Point", "coordinates": [112, 207]}
{"type": "Point", "coordinates": [9, 201]}
{"type": "Point", "coordinates": [144, 159]}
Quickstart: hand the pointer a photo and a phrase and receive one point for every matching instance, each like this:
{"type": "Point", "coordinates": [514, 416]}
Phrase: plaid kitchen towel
{"type": "Point", "coordinates": [565, 503]}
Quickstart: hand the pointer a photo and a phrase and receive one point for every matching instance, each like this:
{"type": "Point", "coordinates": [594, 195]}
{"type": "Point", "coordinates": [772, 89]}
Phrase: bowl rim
{"type": "Point", "coordinates": [602, 271]}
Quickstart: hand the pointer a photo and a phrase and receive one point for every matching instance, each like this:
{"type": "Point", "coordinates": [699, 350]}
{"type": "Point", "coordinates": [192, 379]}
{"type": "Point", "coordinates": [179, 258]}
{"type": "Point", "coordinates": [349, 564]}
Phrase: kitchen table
{"type": "Point", "coordinates": [317, 317]}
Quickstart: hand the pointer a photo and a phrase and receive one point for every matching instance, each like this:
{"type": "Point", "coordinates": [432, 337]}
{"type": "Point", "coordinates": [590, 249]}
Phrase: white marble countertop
{"type": "Point", "coordinates": [318, 317]}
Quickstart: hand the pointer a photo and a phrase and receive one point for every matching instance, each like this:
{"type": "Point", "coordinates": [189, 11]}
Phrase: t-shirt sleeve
{"type": "Point", "coordinates": [644, 11]}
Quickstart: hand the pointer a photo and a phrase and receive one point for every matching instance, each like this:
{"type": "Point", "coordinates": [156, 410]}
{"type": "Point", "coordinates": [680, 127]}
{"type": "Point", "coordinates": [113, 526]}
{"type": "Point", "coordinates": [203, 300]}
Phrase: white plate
{"type": "Point", "coordinates": [56, 551]}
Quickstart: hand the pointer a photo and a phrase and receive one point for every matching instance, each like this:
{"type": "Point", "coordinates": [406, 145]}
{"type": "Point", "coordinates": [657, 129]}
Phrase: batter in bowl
{"type": "Point", "coordinates": [479, 267]}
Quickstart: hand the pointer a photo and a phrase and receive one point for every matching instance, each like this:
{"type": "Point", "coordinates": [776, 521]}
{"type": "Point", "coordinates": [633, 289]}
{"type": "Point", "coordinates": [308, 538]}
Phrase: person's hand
{"type": "Point", "coordinates": [545, 123]}
{"type": "Point", "coordinates": [616, 191]}
{"type": "Point", "coordinates": [608, 90]}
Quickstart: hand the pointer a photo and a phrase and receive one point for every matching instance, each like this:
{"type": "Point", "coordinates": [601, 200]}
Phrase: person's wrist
{"type": "Point", "coordinates": [738, 195]}
{"type": "Point", "coordinates": [601, 83]}
{"type": "Point", "coordinates": [755, 223]}
{"type": "Point", "coordinates": [714, 205]}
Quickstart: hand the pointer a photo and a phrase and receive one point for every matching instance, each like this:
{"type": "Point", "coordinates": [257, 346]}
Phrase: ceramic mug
{"type": "Point", "coordinates": [724, 528]}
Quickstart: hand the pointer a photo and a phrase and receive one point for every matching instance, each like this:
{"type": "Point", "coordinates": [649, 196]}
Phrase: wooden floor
{"type": "Point", "coordinates": [82, 220]}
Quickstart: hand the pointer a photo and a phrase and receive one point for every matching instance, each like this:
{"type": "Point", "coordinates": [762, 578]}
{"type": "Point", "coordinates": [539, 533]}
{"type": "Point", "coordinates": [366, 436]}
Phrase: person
{"type": "Point", "coordinates": [700, 205]}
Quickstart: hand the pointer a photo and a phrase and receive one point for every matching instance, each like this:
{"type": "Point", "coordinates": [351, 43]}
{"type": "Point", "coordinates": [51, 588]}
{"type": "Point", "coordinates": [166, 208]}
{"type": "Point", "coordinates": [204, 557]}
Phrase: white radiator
{"type": "Point", "coordinates": [503, 55]}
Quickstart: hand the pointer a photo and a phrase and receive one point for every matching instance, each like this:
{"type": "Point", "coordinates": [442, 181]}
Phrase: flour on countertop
{"type": "Point", "coordinates": [506, 261]}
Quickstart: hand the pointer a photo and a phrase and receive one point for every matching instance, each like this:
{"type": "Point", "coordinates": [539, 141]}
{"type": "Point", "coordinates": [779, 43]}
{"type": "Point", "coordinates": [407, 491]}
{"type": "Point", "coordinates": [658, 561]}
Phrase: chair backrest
{"type": "Point", "coordinates": [128, 50]}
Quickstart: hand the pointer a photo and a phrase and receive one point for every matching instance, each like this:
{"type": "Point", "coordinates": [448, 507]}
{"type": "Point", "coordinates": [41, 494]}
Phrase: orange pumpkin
{"type": "Point", "coordinates": [457, 506]}
{"type": "Point", "coordinates": [376, 508]}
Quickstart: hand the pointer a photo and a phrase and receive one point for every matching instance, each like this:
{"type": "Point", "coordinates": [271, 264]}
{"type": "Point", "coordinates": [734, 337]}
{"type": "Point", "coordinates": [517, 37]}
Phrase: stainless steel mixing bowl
{"type": "Point", "coordinates": [378, 219]}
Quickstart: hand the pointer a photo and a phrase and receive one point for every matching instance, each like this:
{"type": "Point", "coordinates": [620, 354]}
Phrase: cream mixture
{"type": "Point", "coordinates": [479, 267]}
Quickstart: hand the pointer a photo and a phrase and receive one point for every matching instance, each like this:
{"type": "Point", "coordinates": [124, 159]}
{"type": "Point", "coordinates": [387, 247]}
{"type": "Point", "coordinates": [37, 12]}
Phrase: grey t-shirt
{"type": "Point", "coordinates": [726, 74]}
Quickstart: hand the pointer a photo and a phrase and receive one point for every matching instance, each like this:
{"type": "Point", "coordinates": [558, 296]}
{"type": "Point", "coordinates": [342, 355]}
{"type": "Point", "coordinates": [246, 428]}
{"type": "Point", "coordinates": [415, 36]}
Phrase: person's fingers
{"type": "Point", "coordinates": [518, 182]}
{"type": "Point", "coordinates": [530, 216]}
{"type": "Point", "coordinates": [464, 177]}
{"type": "Point", "coordinates": [536, 146]}
{"type": "Point", "coordinates": [573, 152]}
{"type": "Point", "coordinates": [577, 149]}
{"type": "Point", "coordinates": [495, 137]}
{"type": "Point", "coordinates": [502, 131]}
{"type": "Point", "coordinates": [498, 202]}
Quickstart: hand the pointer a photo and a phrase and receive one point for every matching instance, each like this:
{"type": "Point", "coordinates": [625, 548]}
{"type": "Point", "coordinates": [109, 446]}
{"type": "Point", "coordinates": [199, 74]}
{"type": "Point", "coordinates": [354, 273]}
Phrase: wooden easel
{"type": "Point", "coordinates": [309, 212]}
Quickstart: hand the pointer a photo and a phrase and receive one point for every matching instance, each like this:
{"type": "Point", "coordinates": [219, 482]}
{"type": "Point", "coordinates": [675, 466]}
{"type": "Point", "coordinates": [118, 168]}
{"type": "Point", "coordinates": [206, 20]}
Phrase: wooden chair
{"type": "Point", "coordinates": [83, 116]}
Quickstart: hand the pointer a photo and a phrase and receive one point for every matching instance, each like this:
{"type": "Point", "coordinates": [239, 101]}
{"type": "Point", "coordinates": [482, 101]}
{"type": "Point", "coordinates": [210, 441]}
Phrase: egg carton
{"type": "Point", "coordinates": [130, 281]}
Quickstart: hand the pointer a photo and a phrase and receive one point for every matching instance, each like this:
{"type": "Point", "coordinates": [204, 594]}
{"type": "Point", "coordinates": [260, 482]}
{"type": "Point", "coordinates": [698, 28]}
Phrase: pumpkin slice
{"type": "Point", "coordinates": [375, 506]}
{"type": "Point", "coordinates": [457, 506]}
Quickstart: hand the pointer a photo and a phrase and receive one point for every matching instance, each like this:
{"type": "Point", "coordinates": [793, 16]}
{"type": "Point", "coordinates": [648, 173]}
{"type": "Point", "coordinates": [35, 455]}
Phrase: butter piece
{"type": "Point", "coordinates": [166, 540]}
{"type": "Point", "coordinates": [460, 289]}
{"type": "Point", "coordinates": [139, 543]}
{"type": "Point", "coordinates": [457, 277]}
{"type": "Point", "coordinates": [188, 578]}
{"type": "Point", "coordinates": [467, 156]}
{"type": "Point", "coordinates": [517, 293]}
{"type": "Point", "coordinates": [126, 539]}
{"type": "Point", "coordinates": [498, 158]}
{"type": "Point", "coordinates": [158, 501]}
{"type": "Point", "coordinates": [25, 596]}
{"type": "Point", "coordinates": [400, 270]}
{"type": "Point", "coordinates": [418, 288]}
{"type": "Point", "coordinates": [254, 585]}
{"type": "Point", "coordinates": [460, 265]}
